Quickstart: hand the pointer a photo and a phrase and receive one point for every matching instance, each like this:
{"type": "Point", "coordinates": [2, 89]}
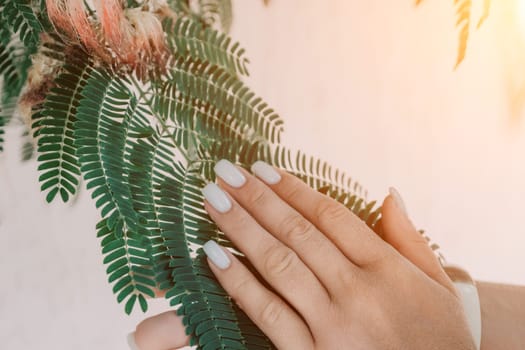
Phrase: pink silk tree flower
{"type": "Point", "coordinates": [132, 37]}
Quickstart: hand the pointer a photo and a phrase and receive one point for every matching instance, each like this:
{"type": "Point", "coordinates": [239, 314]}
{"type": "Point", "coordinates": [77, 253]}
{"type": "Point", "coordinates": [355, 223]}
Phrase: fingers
{"type": "Point", "coordinates": [285, 224]}
{"type": "Point", "coordinates": [349, 233]}
{"type": "Point", "coordinates": [278, 265]}
{"type": "Point", "coordinates": [398, 231]}
{"type": "Point", "coordinates": [269, 312]}
{"type": "Point", "coordinates": [160, 332]}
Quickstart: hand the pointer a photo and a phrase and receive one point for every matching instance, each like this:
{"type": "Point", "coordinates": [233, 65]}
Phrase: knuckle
{"type": "Point", "coordinates": [347, 278]}
{"type": "Point", "coordinates": [293, 192]}
{"type": "Point", "coordinates": [382, 260]}
{"type": "Point", "coordinates": [329, 210]}
{"type": "Point", "coordinates": [238, 218]}
{"type": "Point", "coordinates": [272, 312]}
{"type": "Point", "coordinates": [256, 196]}
{"type": "Point", "coordinates": [235, 223]}
{"type": "Point", "coordinates": [296, 228]}
{"type": "Point", "coordinates": [417, 241]}
{"type": "Point", "coordinates": [239, 288]}
{"type": "Point", "coordinates": [280, 260]}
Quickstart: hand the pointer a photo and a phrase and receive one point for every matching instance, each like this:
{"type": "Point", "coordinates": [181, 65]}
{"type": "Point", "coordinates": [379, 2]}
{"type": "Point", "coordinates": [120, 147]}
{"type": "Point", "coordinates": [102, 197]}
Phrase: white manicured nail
{"type": "Point", "coordinates": [266, 172]}
{"type": "Point", "coordinates": [229, 173]}
{"type": "Point", "coordinates": [398, 199]}
{"type": "Point", "coordinates": [217, 198]}
{"type": "Point", "coordinates": [216, 254]}
{"type": "Point", "coordinates": [131, 342]}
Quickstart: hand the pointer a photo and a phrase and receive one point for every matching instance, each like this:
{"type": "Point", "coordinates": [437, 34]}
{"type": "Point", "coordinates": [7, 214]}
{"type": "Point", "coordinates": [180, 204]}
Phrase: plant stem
{"type": "Point", "coordinates": [165, 127]}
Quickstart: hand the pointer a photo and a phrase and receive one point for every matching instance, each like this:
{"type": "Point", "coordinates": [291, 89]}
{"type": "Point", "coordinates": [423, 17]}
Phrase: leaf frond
{"type": "Point", "coordinates": [463, 19]}
{"type": "Point", "coordinates": [486, 12]}
{"type": "Point", "coordinates": [28, 148]}
{"type": "Point", "coordinates": [20, 17]}
{"type": "Point", "coordinates": [104, 123]}
{"type": "Point", "coordinates": [146, 144]}
{"type": "Point", "coordinates": [190, 38]}
{"type": "Point", "coordinates": [228, 94]}
{"type": "Point", "coordinates": [15, 61]}
{"type": "Point", "coordinates": [54, 126]}
{"type": "Point", "coordinates": [209, 314]}
{"type": "Point", "coordinates": [7, 108]}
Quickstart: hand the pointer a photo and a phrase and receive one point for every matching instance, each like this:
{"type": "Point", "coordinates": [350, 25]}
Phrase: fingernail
{"type": "Point", "coordinates": [217, 198]}
{"type": "Point", "coordinates": [229, 173]}
{"type": "Point", "coordinates": [216, 254]}
{"type": "Point", "coordinates": [398, 200]}
{"type": "Point", "coordinates": [266, 172]}
{"type": "Point", "coordinates": [131, 342]}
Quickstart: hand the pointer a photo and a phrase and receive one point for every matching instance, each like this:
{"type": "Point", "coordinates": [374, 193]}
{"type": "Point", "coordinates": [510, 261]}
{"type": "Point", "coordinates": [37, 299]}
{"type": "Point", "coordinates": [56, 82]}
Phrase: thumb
{"type": "Point", "coordinates": [397, 230]}
{"type": "Point", "coordinates": [160, 332]}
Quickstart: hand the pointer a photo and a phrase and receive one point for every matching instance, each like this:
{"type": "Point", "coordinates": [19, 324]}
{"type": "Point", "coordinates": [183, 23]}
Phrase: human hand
{"type": "Point", "coordinates": [337, 284]}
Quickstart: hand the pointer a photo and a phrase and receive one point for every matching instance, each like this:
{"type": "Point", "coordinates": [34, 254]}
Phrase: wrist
{"type": "Point", "coordinates": [503, 315]}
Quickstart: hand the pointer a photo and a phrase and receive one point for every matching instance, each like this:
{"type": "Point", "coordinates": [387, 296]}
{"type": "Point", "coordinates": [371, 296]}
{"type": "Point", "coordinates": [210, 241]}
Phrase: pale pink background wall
{"type": "Point", "coordinates": [366, 85]}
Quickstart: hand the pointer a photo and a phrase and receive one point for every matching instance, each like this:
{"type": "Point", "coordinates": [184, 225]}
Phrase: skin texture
{"type": "Point", "coordinates": [503, 306]}
{"type": "Point", "coordinates": [369, 294]}
{"type": "Point", "coordinates": [503, 316]}
{"type": "Point", "coordinates": [366, 296]}
{"type": "Point", "coordinates": [363, 297]}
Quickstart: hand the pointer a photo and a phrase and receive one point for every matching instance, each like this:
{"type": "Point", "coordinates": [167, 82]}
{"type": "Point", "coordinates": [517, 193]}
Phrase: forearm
{"type": "Point", "coordinates": [503, 316]}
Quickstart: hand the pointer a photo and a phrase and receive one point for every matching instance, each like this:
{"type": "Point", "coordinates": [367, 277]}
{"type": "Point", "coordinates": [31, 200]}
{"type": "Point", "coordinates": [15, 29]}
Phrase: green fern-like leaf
{"type": "Point", "coordinates": [150, 158]}
{"type": "Point", "coordinates": [313, 171]}
{"type": "Point", "coordinates": [2, 131]}
{"type": "Point", "coordinates": [28, 148]}
{"type": "Point", "coordinates": [15, 61]}
{"type": "Point", "coordinates": [195, 122]}
{"type": "Point", "coordinates": [228, 94]}
{"type": "Point", "coordinates": [145, 145]}
{"type": "Point", "coordinates": [7, 108]}
{"type": "Point", "coordinates": [101, 130]}
{"type": "Point", "coordinates": [333, 182]}
{"type": "Point", "coordinates": [21, 19]}
{"type": "Point", "coordinates": [190, 38]}
{"type": "Point", "coordinates": [54, 127]}
{"type": "Point", "coordinates": [126, 257]}
{"type": "Point", "coordinates": [8, 68]}
{"type": "Point", "coordinates": [3, 122]}
{"type": "Point", "coordinates": [209, 314]}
